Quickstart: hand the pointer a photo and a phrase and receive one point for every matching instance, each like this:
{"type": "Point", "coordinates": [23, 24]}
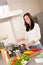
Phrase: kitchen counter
{"type": "Point", "coordinates": [32, 61]}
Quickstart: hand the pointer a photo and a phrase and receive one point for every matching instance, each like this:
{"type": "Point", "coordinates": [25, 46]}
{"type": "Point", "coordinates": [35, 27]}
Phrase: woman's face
{"type": "Point", "coordinates": [27, 20]}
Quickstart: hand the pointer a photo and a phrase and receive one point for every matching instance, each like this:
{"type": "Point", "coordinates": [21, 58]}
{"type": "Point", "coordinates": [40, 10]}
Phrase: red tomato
{"type": "Point", "coordinates": [35, 49]}
{"type": "Point", "coordinates": [13, 61]}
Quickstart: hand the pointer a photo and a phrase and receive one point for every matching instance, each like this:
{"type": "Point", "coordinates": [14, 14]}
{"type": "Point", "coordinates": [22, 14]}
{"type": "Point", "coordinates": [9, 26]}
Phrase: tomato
{"type": "Point", "coordinates": [35, 49]}
{"type": "Point", "coordinates": [13, 61]}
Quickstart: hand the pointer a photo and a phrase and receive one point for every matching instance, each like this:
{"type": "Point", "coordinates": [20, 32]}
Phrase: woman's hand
{"type": "Point", "coordinates": [31, 43]}
{"type": "Point", "coordinates": [20, 39]}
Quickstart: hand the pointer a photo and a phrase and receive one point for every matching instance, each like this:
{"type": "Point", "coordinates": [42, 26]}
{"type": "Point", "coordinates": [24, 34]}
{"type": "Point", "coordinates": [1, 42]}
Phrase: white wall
{"type": "Point", "coordinates": [26, 5]}
{"type": "Point", "coordinates": [40, 3]}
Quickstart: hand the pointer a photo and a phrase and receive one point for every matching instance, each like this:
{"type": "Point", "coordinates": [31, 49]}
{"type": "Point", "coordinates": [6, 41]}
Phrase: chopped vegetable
{"type": "Point", "coordinates": [28, 52]}
{"type": "Point", "coordinates": [35, 49]}
{"type": "Point", "coordinates": [18, 62]}
{"type": "Point", "coordinates": [25, 57]}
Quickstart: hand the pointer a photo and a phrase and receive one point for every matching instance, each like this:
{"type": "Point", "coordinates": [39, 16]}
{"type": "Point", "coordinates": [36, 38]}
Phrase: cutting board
{"type": "Point", "coordinates": [36, 53]}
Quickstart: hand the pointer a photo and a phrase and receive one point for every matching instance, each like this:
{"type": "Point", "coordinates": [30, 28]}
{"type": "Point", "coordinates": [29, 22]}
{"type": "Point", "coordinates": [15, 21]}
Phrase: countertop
{"type": "Point", "coordinates": [32, 61]}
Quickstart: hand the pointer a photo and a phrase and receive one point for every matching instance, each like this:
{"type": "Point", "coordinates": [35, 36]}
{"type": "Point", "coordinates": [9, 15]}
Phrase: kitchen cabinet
{"type": "Point", "coordinates": [12, 24]}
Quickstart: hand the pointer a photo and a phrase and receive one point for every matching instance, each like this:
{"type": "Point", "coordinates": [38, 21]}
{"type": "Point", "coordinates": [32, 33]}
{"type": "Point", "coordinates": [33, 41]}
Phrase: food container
{"type": "Point", "coordinates": [17, 52]}
{"type": "Point", "coordinates": [22, 48]}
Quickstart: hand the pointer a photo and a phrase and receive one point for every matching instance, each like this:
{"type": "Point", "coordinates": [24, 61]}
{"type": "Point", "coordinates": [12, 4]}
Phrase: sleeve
{"type": "Point", "coordinates": [38, 32]}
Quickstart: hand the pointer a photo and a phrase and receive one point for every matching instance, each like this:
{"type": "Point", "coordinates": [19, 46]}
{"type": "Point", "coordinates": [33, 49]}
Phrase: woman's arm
{"type": "Point", "coordinates": [31, 43]}
{"type": "Point", "coordinates": [21, 39]}
{"type": "Point", "coordinates": [38, 32]}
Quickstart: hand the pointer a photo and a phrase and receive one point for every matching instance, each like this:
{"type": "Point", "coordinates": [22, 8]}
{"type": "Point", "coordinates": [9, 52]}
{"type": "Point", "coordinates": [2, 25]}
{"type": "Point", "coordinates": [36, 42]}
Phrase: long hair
{"type": "Point", "coordinates": [32, 22]}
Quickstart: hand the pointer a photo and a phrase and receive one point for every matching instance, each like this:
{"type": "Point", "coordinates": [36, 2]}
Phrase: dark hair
{"type": "Point", "coordinates": [32, 22]}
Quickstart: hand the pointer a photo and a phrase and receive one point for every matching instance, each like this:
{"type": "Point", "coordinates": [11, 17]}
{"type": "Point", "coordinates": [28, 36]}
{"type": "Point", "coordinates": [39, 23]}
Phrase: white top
{"type": "Point", "coordinates": [34, 34]}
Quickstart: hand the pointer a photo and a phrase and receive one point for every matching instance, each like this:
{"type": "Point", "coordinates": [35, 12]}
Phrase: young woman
{"type": "Point", "coordinates": [33, 34]}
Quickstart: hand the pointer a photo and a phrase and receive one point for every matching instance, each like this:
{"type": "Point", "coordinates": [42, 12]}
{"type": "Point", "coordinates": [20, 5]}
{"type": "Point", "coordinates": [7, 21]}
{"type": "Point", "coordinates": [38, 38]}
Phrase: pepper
{"type": "Point", "coordinates": [18, 62]}
{"type": "Point", "coordinates": [25, 57]}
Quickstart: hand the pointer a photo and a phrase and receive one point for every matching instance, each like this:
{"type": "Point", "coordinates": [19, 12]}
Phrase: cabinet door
{"type": "Point", "coordinates": [18, 26]}
{"type": "Point", "coordinates": [6, 32]}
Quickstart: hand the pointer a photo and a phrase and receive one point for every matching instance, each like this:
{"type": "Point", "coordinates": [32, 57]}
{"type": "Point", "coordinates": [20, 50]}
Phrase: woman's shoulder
{"type": "Point", "coordinates": [36, 26]}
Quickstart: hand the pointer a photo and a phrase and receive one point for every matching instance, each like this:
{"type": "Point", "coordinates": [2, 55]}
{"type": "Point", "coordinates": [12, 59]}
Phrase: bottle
{"type": "Point", "coordinates": [4, 54]}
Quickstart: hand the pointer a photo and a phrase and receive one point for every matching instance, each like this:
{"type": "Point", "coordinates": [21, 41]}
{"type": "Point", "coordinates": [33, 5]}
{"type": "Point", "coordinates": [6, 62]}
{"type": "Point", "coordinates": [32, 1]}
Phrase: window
{"type": "Point", "coordinates": [3, 9]}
